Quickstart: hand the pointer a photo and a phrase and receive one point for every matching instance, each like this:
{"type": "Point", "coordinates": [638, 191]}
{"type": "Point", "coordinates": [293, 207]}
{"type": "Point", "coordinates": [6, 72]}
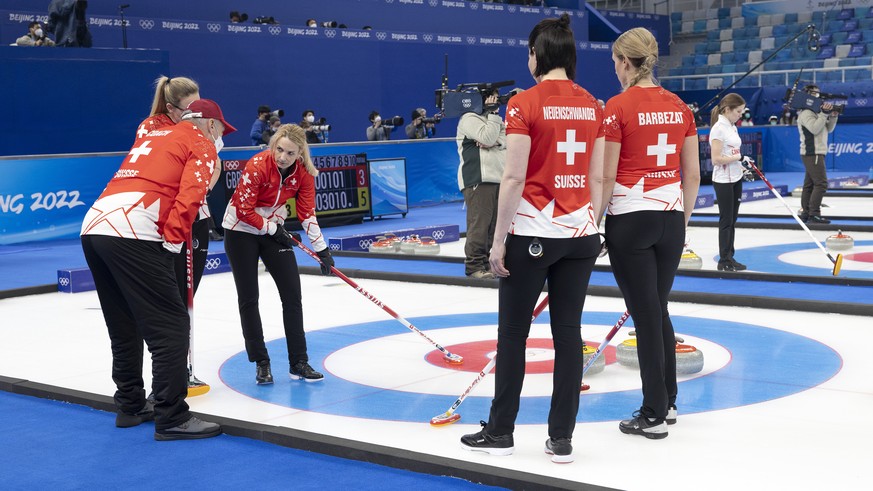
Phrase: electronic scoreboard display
{"type": "Point", "coordinates": [342, 186]}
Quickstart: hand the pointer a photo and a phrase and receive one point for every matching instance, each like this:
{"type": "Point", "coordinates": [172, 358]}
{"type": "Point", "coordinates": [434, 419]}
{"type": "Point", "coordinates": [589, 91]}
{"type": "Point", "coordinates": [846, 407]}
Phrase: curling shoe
{"type": "Point", "coordinates": [302, 370]}
{"type": "Point", "coordinates": [652, 428]}
{"type": "Point", "coordinates": [560, 449]}
{"type": "Point", "coordinates": [726, 266]}
{"type": "Point", "coordinates": [483, 441]}
{"type": "Point", "coordinates": [147, 413]}
{"type": "Point", "coordinates": [264, 375]}
{"type": "Point", "coordinates": [193, 429]}
{"type": "Point", "coordinates": [672, 414]}
{"type": "Point", "coordinates": [818, 219]}
{"type": "Point", "coordinates": [738, 266]}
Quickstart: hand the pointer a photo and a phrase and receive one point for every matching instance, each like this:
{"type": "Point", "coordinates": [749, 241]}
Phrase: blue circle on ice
{"type": "Point", "coordinates": [765, 364]}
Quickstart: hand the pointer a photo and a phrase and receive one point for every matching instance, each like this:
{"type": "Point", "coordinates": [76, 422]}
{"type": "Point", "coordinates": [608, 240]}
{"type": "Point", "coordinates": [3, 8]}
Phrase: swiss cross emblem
{"type": "Point", "coordinates": [136, 152]}
{"type": "Point", "coordinates": [571, 147]}
{"type": "Point", "coordinates": [661, 149]}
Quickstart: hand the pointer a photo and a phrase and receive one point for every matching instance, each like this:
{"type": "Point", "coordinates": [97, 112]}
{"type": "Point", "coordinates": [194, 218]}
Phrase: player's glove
{"type": "Point", "coordinates": [603, 249]}
{"type": "Point", "coordinates": [284, 237]}
{"type": "Point", "coordinates": [747, 162]}
{"type": "Point", "coordinates": [326, 261]}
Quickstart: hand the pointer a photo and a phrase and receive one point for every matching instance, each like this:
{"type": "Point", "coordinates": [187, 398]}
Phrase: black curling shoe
{"type": "Point", "coordinates": [264, 375]}
{"type": "Point", "coordinates": [482, 441]}
{"type": "Point", "coordinates": [726, 266]}
{"type": "Point", "coordinates": [302, 370]}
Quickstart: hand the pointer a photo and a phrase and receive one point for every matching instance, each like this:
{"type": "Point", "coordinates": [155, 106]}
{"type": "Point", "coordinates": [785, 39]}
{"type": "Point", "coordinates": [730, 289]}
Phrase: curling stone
{"type": "Point", "coordinates": [383, 245]}
{"type": "Point", "coordinates": [428, 246]}
{"type": "Point", "coordinates": [690, 260]}
{"type": "Point", "coordinates": [626, 353]}
{"type": "Point", "coordinates": [689, 359]}
{"type": "Point", "coordinates": [797, 192]}
{"type": "Point", "coordinates": [839, 242]}
{"type": "Point", "coordinates": [410, 244]}
{"type": "Point", "coordinates": [598, 365]}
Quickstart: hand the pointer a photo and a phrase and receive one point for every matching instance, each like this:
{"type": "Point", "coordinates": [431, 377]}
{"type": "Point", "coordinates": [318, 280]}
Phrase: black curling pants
{"type": "Point", "coordinates": [728, 195]}
{"type": "Point", "coordinates": [566, 264]}
{"type": "Point", "coordinates": [644, 252]}
{"type": "Point", "coordinates": [243, 250]}
{"type": "Point", "coordinates": [136, 285]}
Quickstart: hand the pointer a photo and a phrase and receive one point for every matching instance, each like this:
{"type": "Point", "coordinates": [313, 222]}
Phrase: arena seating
{"type": "Point", "coordinates": [730, 42]}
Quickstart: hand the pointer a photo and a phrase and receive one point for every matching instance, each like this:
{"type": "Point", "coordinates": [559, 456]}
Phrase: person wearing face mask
{"type": "Point", "coordinates": [130, 238]}
{"type": "Point", "coordinates": [727, 174]}
{"type": "Point", "coordinates": [311, 23]}
{"type": "Point", "coordinates": [814, 128]}
{"type": "Point", "coordinates": [745, 118]}
{"type": "Point", "coordinates": [254, 228]}
{"type": "Point", "coordinates": [313, 135]}
{"type": "Point", "coordinates": [377, 131]}
{"type": "Point", "coordinates": [35, 36]}
{"type": "Point", "coordinates": [272, 125]}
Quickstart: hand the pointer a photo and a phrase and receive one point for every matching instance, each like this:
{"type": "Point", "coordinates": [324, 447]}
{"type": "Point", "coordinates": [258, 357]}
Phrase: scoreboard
{"type": "Point", "coordinates": [342, 186]}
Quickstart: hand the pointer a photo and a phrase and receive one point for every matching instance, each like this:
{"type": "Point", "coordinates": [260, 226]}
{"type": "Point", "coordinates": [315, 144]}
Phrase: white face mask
{"type": "Point", "coordinates": [38, 33]}
{"type": "Point", "coordinates": [310, 119]}
{"type": "Point", "coordinates": [313, 24]}
{"type": "Point", "coordinates": [219, 143]}
{"type": "Point", "coordinates": [377, 119]}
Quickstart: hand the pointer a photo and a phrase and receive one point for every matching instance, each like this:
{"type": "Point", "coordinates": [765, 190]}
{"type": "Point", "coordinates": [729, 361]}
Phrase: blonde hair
{"type": "Point", "coordinates": [730, 101]}
{"type": "Point", "coordinates": [640, 48]}
{"type": "Point", "coordinates": [172, 91]}
{"type": "Point", "coordinates": [297, 135]}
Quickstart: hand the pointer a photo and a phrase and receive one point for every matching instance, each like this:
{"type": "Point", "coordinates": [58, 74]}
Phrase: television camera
{"type": "Point", "coordinates": [320, 125]}
{"type": "Point", "coordinates": [471, 97]}
{"type": "Point", "coordinates": [801, 99]}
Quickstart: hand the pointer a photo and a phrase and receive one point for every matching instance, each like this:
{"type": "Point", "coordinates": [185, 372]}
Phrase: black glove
{"type": "Point", "coordinates": [326, 261]}
{"type": "Point", "coordinates": [747, 162]}
{"type": "Point", "coordinates": [283, 237]}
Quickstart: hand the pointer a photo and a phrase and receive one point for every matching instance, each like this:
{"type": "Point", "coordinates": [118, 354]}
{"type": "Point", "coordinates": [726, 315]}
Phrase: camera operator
{"type": "Point", "coordinates": [814, 128]}
{"type": "Point", "coordinates": [377, 131]}
{"type": "Point", "coordinates": [272, 126]}
{"type": "Point", "coordinates": [260, 125]}
{"type": "Point", "coordinates": [421, 127]}
{"type": "Point", "coordinates": [316, 131]}
{"type": "Point", "coordinates": [481, 142]}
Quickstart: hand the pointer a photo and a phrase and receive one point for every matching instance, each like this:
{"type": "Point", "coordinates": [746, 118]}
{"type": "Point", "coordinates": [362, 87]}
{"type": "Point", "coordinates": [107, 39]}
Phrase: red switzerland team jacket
{"type": "Point", "coordinates": [258, 204]}
{"type": "Point", "coordinates": [562, 120]}
{"type": "Point", "coordinates": [651, 124]}
{"type": "Point", "coordinates": [157, 122]}
{"type": "Point", "coordinates": [157, 191]}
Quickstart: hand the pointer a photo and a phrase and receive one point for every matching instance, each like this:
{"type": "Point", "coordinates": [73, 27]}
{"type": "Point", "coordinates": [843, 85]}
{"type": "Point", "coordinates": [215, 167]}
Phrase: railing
{"type": "Point", "coordinates": [788, 76]}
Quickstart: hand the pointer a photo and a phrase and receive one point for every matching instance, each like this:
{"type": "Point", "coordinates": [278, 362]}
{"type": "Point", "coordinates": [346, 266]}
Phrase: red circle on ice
{"type": "Point", "coordinates": [540, 355]}
{"type": "Point", "coordinates": [863, 257]}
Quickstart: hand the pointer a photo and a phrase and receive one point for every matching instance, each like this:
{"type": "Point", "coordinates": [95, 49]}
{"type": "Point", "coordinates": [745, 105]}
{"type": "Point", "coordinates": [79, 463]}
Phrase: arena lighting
{"type": "Point", "coordinates": [812, 44]}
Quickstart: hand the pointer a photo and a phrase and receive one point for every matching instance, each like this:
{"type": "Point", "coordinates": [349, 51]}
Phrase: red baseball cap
{"type": "Point", "coordinates": [205, 108]}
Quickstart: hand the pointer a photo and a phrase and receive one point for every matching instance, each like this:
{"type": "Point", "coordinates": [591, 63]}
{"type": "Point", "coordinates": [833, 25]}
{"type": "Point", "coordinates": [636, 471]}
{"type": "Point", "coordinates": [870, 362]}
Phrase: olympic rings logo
{"type": "Point", "coordinates": [329, 33]}
{"type": "Point", "coordinates": [438, 234]}
{"type": "Point", "coordinates": [511, 9]}
{"type": "Point", "coordinates": [861, 102]}
{"type": "Point", "coordinates": [213, 263]}
{"type": "Point", "coordinates": [365, 243]}
{"type": "Point", "coordinates": [510, 42]}
{"type": "Point", "coordinates": [213, 27]}
{"type": "Point", "coordinates": [334, 247]}
{"type": "Point", "coordinates": [471, 39]}
{"type": "Point", "coordinates": [146, 23]}
{"type": "Point", "coordinates": [428, 37]}
{"type": "Point", "coordinates": [275, 30]}
{"type": "Point", "coordinates": [64, 281]}
{"type": "Point", "coordinates": [433, 3]}
{"type": "Point", "coordinates": [381, 36]}
{"type": "Point", "coordinates": [474, 6]}
{"type": "Point", "coordinates": [231, 164]}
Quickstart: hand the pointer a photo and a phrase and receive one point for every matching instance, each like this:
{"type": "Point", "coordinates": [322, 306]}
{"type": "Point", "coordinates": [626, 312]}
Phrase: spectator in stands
{"type": "Point", "coordinates": [377, 131]}
{"type": "Point", "coordinates": [311, 23]}
{"type": "Point", "coordinates": [68, 23]}
{"type": "Point", "coordinates": [35, 36]}
{"type": "Point", "coordinates": [316, 131]}
{"type": "Point", "coordinates": [272, 126]}
{"type": "Point", "coordinates": [420, 127]}
{"type": "Point", "coordinates": [788, 116]}
{"type": "Point", "coordinates": [814, 128]}
{"type": "Point", "coordinates": [727, 174]}
{"type": "Point", "coordinates": [236, 17]}
{"type": "Point", "coordinates": [481, 140]}
{"type": "Point", "coordinates": [260, 125]}
{"type": "Point", "coordinates": [746, 119]}
{"type": "Point", "coordinates": [774, 120]}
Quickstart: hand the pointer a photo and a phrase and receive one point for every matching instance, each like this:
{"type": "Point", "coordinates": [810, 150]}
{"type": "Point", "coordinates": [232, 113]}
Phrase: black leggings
{"type": "Point", "coordinates": [566, 264]}
{"type": "Point", "coordinates": [243, 250]}
{"type": "Point", "coordinates": [728, 195]}
{"type": "Point", "coordinates": [644, 251]}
